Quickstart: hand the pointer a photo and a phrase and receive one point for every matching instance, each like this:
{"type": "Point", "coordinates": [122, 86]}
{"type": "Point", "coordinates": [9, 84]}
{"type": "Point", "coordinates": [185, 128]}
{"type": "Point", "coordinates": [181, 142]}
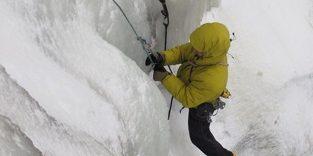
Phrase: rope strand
{"type": "Point", "coordinates": [144, 44]}
{"type": "Point", "coordinates": [142, 41]}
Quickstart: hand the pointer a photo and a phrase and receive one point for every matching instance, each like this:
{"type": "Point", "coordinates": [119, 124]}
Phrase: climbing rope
{"type": "Point", "coordinates": [145, 45]}
{"type": "Point", "coordinates": [143, 42]}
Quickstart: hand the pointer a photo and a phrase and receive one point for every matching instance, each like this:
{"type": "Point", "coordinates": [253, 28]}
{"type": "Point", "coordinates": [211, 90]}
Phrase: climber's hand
{"type": "Point", "coordinates": [159, 76]}
{"type": "Point", "coordinates": [162, 1]}
{"type": "Point", "coordinates": [159, 72]}
{"type": "Point", "coordinates": [157, 58]}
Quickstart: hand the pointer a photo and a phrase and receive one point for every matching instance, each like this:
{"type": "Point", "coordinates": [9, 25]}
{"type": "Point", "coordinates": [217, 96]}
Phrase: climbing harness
{"type": "Point", "coordinates": [216, 105]}
{"type": "Point", "coordinates": [206, 110]}
{"type": "Point", "coordinates": [143, 42]}
{"type": "Point", "coordinates": [225, 94]}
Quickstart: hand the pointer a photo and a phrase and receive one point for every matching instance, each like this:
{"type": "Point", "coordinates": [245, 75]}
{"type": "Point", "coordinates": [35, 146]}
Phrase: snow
{"type": "Point", "coordinates": [48, 135]}
{"type": "Point", "coordinates": [77, 86]}
{"type": "Point", "coordinates": [73, 82]}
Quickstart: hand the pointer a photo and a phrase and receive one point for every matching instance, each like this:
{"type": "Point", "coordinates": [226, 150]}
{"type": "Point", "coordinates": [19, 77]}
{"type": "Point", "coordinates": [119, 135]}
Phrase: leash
{"type": "Point", "coordinates": [166, 22]}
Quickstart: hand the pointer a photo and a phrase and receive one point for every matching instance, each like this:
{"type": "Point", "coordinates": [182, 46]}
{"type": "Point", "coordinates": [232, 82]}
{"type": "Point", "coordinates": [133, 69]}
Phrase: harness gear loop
{"type": "Point", "coordinates": [233, 37]}
{"type": "Point", "coordinates": [226, 94]}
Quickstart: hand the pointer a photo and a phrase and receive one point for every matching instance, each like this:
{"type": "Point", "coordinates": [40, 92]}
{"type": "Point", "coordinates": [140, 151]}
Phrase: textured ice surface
{"type": "Point", "coordinates": [84, 96]}
{"type": "Point", "coordinates": [50, 136]}
{"type": "Point", "coordinates": [68, 87]}
{"type": "Point", "coordinates": [13, 141]}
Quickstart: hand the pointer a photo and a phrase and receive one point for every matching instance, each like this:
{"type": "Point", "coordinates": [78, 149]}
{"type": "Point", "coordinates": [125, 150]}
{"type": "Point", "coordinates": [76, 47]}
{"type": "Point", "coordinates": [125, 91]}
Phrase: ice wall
{"type": "Point", "coordinates": [43, 134]}
{"type": "Point", "coordinates": [67, 87]}
{"type": "Point", "coordinates": [13, 141]}
{"type": "Point", "coordinates": [68, 90]}
{"type": "Point", "coordinates": [185, 15]}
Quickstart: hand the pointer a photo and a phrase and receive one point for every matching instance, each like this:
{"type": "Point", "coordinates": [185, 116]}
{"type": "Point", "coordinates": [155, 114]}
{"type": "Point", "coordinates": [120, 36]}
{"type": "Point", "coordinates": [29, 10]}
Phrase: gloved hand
{"type": "Point", "coordinates": [159, 67]}
{"type": "Point", "coordinates": [156, 58]}
{"type": "Point", "coordinates": [162, 1]}
{"type": "Point", "coordinates": [159, 72]}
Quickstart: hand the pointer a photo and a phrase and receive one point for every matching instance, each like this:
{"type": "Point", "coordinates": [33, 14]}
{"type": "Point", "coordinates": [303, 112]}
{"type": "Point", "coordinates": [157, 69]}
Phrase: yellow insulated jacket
{"type": "Point", "coordinates": [203, 79]}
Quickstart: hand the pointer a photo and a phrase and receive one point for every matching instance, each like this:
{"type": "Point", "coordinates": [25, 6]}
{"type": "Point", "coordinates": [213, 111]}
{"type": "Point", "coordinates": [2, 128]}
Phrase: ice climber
{"type": "Point", "coordinates": [200, 82]}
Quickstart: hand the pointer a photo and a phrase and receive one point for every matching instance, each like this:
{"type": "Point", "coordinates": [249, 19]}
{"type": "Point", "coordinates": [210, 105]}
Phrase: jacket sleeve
{"type": "Point", "coordinates": [177, 55]}
{"type": "Point", "coordinates": [191, 95]}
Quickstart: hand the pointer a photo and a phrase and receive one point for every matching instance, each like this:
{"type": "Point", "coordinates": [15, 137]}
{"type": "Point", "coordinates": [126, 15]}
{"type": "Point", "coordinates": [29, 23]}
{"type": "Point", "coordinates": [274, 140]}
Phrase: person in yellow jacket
{"type": "Point", "coordinates": [201, 80]}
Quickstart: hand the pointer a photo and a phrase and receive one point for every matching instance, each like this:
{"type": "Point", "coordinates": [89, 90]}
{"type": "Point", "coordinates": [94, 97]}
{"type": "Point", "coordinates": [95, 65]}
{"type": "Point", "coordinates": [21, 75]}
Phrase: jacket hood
{"type": "Point", "coordinates": [214, 40]}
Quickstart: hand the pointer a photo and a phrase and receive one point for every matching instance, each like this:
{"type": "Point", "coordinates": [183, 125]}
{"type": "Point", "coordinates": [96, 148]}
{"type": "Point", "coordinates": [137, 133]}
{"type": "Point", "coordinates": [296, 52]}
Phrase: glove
{"type": "Point", "coordinates": [159, 67]}
{"type": "Point", "coordinates": [159, 72]}
{"type": "Point", "coordinates": [159, 76]}
{"type": "Point", "coordinates": [156, 58]}
{"type": "Point", "coordinates": [162, 1]}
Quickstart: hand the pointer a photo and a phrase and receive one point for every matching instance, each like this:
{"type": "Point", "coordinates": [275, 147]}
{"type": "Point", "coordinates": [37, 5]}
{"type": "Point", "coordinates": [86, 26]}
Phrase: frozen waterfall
{"type": "Point", "coordinates": [73, 80]}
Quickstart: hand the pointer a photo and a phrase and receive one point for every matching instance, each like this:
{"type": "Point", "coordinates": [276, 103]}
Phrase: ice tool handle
{"type": "Point", "coordinates": [147, 49]}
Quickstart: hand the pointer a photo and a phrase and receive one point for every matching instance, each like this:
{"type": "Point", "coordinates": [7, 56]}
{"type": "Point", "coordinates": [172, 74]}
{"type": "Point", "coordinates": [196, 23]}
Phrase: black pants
{"type": "Point", "coordinates": [200, 134]}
